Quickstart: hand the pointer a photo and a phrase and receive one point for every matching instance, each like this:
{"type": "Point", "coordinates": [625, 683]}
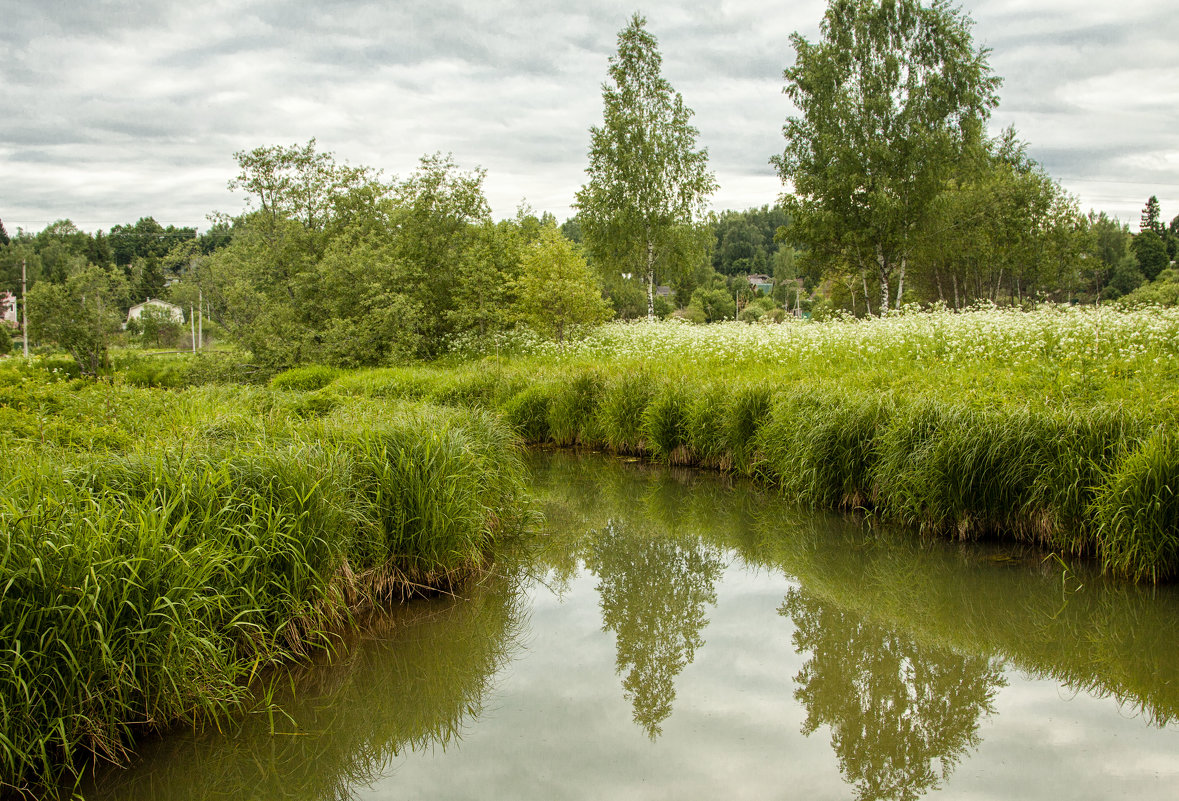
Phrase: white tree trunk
{"type": "Point", "coordinates": [650, 281]}
{"type": "Point", "coordinates": [901, 284]}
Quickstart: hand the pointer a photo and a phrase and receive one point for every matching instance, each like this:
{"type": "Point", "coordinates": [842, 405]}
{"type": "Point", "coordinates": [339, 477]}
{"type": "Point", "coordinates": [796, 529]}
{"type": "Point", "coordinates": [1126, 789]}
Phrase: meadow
{"type": "Point", "coordinates": [165, 547]}
{"type": "Point", "coordinates": [1054, 425]}
{"type": "Point", "coordinates": [162, 550]}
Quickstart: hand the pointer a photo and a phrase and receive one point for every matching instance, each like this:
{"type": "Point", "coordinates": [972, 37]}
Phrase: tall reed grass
{"type": "Point", "coordinates": [143, 585]}
{"type": "Point", "coordinates": [993, 423]}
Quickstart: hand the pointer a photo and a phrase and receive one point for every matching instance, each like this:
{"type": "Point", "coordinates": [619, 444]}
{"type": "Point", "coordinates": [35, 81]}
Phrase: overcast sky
{"type": "Point", "coordinates": [110, 111]}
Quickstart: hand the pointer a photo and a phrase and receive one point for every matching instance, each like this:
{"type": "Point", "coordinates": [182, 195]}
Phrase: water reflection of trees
{"type": "Point", "coordinates": [654, 591]}
{"type": "Point", "coordinates": [902, 714]}
{"type": "Point", "coordinates": [414, 681]}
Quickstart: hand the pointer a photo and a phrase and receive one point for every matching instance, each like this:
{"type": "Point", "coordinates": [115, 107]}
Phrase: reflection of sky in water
{"type": "Point", "coordinates": [556, 721]}
{"type": "Point", "coordinates": [557, 725]}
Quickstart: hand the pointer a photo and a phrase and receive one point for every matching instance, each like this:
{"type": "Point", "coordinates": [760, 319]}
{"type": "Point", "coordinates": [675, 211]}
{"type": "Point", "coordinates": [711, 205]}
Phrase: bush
{"type": "Point", "coordinates": [311, 377]}
{"type": "Point", "coordinates": [1137, 511]}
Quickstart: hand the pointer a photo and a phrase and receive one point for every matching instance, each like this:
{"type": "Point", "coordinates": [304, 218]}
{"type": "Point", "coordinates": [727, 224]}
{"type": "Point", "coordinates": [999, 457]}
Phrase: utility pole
{"type": "Point", "coordinates": [24, 300]}
{"type": "Point", "coordinates": [201, 318]}
{"type": "Point", "coordinates": [192, 325]}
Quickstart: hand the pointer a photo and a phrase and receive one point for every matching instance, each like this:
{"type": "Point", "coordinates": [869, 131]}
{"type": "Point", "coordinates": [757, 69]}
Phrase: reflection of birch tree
{"type": "Point", "coordinates": [902, 714]}
{"type": "Point", "coordinates": [654, 591]}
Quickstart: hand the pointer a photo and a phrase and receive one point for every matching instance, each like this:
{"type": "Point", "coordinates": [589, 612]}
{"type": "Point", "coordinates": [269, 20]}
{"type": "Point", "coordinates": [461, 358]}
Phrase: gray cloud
{"type": "Point", "coordinates": [114, 110]}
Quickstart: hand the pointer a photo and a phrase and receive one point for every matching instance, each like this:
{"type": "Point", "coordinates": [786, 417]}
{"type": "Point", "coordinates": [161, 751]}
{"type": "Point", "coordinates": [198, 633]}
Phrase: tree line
{"type": "Point", "coordinates": [894, 194]}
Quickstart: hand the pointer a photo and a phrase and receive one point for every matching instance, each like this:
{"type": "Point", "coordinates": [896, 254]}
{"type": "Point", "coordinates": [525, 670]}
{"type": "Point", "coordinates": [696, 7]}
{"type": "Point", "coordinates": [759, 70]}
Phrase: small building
{"type": "Point", "coordinates": [175, 313]}
{"type": "Point", "coordinates": [8, 309]}
{"type": "Point", "coordinates": [761, 283]}
{"type": "Point", "coordinates": [662, 291]}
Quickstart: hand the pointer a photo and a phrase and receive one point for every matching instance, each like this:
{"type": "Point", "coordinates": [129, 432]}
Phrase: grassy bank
{"type": "Point", "coordinates": [1053, 426]}
{"type": "Point", "coordinates": [160, 549]}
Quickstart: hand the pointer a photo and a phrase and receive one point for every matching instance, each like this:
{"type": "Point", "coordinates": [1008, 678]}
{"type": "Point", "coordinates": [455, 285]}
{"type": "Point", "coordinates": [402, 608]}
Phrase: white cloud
{"type": "Point", "coordinates": [117, 110]}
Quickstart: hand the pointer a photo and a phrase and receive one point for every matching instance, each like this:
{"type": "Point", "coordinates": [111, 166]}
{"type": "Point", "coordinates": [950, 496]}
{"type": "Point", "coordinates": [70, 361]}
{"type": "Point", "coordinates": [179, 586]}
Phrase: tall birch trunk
{"type": "Point", "coordinates": [882, 268]}
{"type": "Point", "coordinates": [650, 281]}
{"type": "Point", "coordinates": [901, 283]}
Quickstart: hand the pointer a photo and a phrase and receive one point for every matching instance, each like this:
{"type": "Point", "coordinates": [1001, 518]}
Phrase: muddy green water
{"type": "Point", "coordinates": [673, 634]}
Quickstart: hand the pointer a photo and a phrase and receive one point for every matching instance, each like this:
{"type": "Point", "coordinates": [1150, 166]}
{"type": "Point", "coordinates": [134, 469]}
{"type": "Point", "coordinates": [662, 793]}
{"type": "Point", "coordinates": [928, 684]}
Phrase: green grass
{"type": "Point", "coordinates": [992, 423]}
{"type": "Point", "coordinates": [149, 572]}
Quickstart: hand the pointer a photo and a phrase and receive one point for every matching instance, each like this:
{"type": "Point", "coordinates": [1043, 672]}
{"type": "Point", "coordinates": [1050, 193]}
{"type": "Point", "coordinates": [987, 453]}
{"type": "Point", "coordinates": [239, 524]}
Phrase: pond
{"type": "Point", "coordinates": [679, 634]}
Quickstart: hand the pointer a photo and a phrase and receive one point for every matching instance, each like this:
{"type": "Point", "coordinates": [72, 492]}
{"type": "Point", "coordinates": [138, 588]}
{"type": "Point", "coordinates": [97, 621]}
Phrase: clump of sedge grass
{"type": "Point", "coordinates": [620, 416]}
{"type": "Point", "coordinates": [573, 410]}
{"type": "Point", "coordinates": [1136, 511]}
{"type": "Point", "coordinates": [665, 425]}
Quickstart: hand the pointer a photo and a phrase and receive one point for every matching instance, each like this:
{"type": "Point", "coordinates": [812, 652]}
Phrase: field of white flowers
{"type": "Point", "coordinates": [1114, 337]}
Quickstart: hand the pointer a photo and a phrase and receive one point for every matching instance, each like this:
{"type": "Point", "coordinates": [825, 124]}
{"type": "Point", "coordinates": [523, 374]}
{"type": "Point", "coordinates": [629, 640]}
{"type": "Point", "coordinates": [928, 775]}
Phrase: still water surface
{"type": "Point", "coordinates": [673, 634]}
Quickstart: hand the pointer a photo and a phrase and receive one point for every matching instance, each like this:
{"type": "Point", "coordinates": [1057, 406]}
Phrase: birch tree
{"type": "Point", "coordinates": [888, 100]}
{"type": "Point", "coordinates": [649, 183]}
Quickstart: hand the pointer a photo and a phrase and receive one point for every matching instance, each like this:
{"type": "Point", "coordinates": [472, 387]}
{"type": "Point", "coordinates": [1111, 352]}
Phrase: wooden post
{"type": "Point", "coordinates": [24, 300]}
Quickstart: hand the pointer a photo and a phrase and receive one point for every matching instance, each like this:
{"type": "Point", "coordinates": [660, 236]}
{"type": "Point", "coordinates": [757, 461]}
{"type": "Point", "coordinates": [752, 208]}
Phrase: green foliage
{"type": "Point", "coordinates": [573, 410]}
{"type": "Point", "coordinates": [5, 339]}
{"type": "Point", "coordinates": [311, 377]}
{"type": "Point", "coordinates": [665, 424]}
{"type": "Point", "coordinates": [746, 241]}
{"type": "Point", "coordinates": [149, 583]}
{"type": "Point", "coordinates": [1163, 291]}
{"type": "Point", "coordinates": [620, 413]}
{"type": "Point", "coordinates": [1137, 511]}
{"type": "Point", "coordinates": [648, 183]}
{"type": "Point", "coordinates": [527, 412]}
{"type": "Point", "coordinates": [80, 316]}
{"type": "Point", "coordinates": [821, 448]}
{"type": "Point", "coordinates": [889, 99]}
{"type": "Point", "coordinates": [556, 290]}
{"type": "Point", "coordinates": [711, 305]}
{"type": "Point", "coordinates": [1151, 253]}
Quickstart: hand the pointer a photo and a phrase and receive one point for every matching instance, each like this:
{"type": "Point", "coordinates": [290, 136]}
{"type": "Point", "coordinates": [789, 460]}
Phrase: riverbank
{"type": "Point", "coordinates": [163, 548]}
{"type": "Point", "coordinates": [1056, 426]}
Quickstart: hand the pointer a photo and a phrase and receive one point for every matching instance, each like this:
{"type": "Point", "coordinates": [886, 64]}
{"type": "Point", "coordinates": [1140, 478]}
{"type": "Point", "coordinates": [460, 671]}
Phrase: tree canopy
{"type": "Point", "coordinates": [890, 99]}
{"type": "Point", "coordinates": [649, 183]}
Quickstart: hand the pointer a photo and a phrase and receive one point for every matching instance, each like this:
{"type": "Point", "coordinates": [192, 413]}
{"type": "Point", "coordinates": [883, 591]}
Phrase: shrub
{"type": "Point", "coordinates": [311, 377]}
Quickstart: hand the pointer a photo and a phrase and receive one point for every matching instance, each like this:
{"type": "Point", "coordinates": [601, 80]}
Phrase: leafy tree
{"type": "Point", "coordinates": [1151, 252]}
{"type": "Point", "coordinates": [4, 240]}
{"type": "Point", "coordinates": [434, 217]}
{"type": "Point", "coordinates": [297, 182]}
{"type": "Point", "coordinates": [571, 228]}
{"type": "Point", "coordinates": [157, 326]}
{"type": "Point", "coordinates": [711, 305]}
{"type": "Point", "coordinates": [80, 315]}
{"type": "Point", "coordinates": [746, 241]}
{"type": "Point", "coordinates": [648, 182]}
{"type": "Point", "coordinates": [1150, 217]}
{"type": "Point", "coordinates": [1163, 291]}
{"type": "Point", "coordinates": [556, 289]}
{"type": "Point", "coordinates": [890, 98]}
{"type": "Point", "coordinates": [1124, 279]}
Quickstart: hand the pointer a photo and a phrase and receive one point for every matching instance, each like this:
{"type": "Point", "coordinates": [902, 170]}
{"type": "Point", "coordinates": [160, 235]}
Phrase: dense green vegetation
{"type": "Point", "coordinates": [163, 548]}
{"type": "Point", "coordinates": [897, 194]}
{"type": "Point", "coordinates": [1049, 426]}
